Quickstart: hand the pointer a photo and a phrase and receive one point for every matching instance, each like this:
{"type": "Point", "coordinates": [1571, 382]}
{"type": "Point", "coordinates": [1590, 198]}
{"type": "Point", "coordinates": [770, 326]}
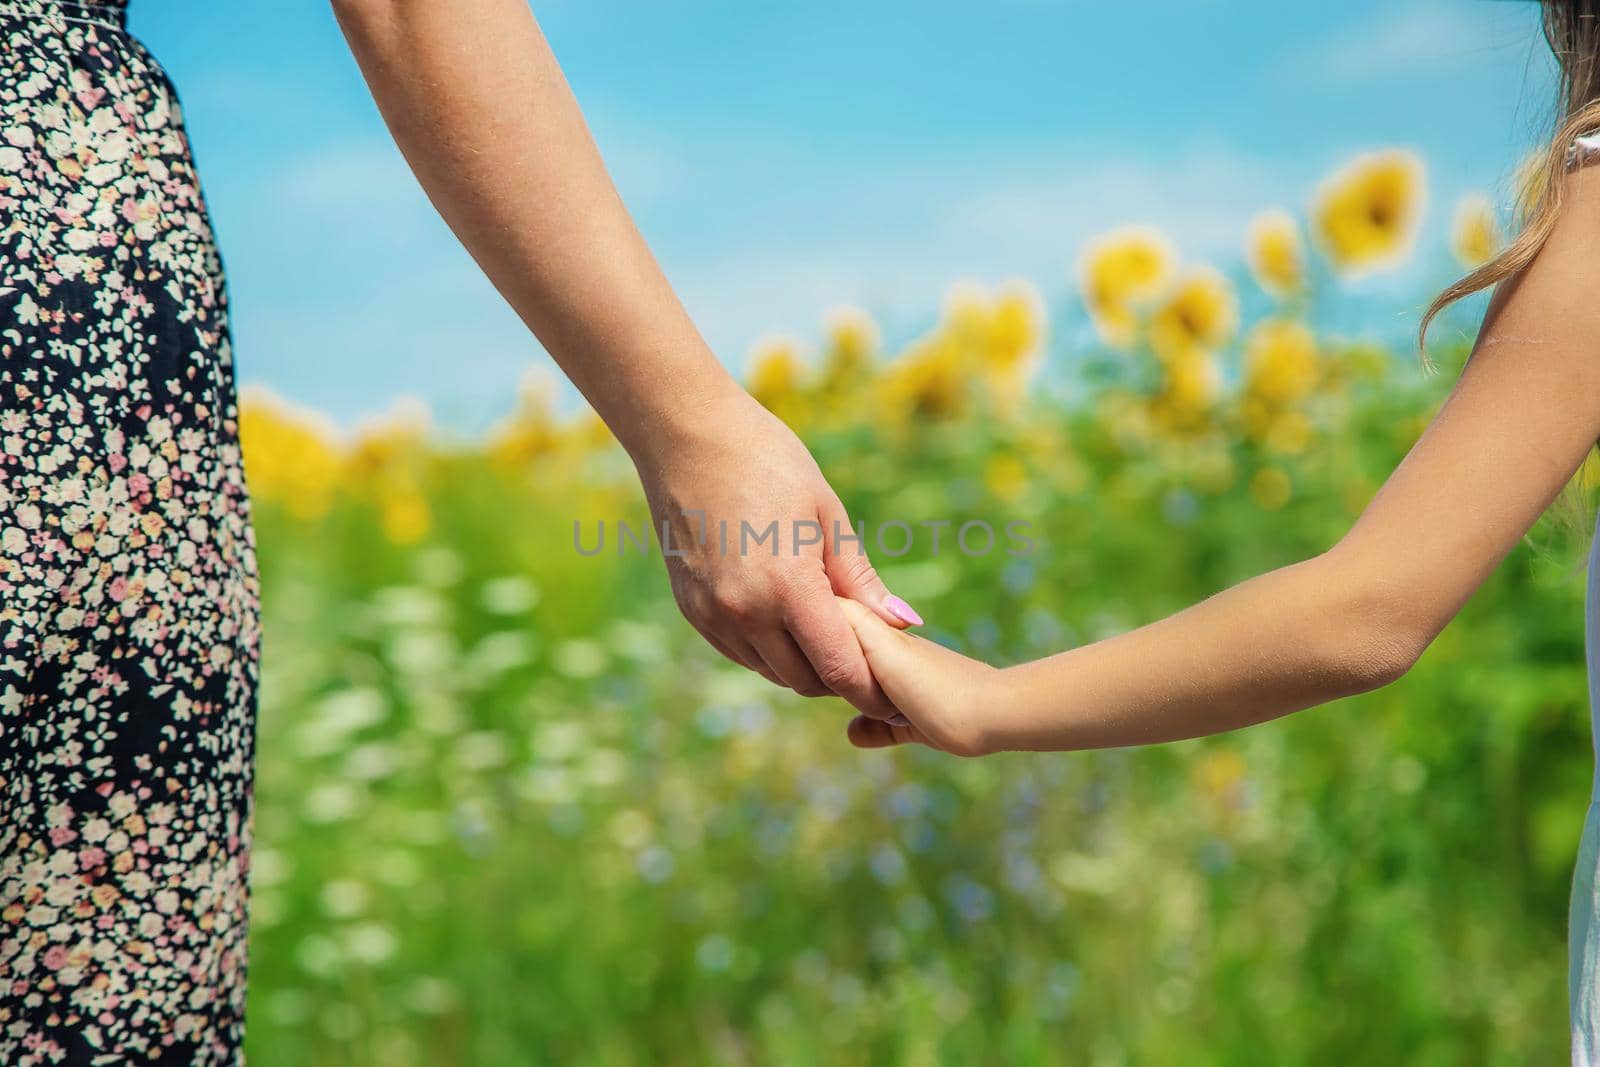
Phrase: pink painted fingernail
{"type": "Point", "coordinates": [901, 610]}
{"type": "Point", "coordinates": [898, 720]}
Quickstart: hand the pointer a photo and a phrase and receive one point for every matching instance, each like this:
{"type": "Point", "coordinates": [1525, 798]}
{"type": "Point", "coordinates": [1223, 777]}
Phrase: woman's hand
{"type": "Point", "coordinates": [754, 554]}
{"type": "Point", "coordinates": [946, 700]}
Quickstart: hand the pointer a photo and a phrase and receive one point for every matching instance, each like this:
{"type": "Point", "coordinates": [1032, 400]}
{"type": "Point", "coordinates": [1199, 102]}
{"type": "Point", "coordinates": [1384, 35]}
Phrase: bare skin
{"type": "Point", "coordinates": [1521, 419]}
{"type": "Point", "coordinates": [481, 110]}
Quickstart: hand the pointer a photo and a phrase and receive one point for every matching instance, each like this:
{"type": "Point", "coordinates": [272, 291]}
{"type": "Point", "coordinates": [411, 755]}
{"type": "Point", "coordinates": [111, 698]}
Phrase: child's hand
{"type": "Point", "coordinates": [945, 697]}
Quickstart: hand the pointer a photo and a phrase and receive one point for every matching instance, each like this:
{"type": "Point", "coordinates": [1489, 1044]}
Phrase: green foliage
{"type": "Point", "coordinates": [512, 811]}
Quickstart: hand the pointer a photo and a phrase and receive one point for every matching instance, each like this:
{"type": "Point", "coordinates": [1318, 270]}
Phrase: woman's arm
{"type": "Point", "coordinates": [480, 109]}
{"type": "Point", "coordinates": [1515, 429]}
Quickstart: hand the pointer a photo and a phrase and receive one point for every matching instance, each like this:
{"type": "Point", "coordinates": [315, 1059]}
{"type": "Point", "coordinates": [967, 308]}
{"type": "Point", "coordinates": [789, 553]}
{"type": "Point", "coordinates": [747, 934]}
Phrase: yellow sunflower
{"type": "Point", "coordinates": [1281, 362]}
{"type": "Point", "coordinates": [1200, 313]}
{"type": "Point", "coordinates": [530, 431]}
{"type": "Point", "coordinates": [1365, 217]}
{"type": "Point", "coordinates": [1016, 327]}
{"type": "Point", "coordinates": [852, 342]}
{"type": "Point", "coordinates": [1276, 254]}
{"type": "Point", "coordinates": [775, 373]}
{"type": "Point", "coordinates": [1191, 383]}
{"type": "Point", "coordinates": [1475, 238]}
{"type": "Point", "coordinates": [291, 456]}
{"type": "Point", "coordinates": [930, 381]}
{"type": "Point", "coordinates": [1119, 274]}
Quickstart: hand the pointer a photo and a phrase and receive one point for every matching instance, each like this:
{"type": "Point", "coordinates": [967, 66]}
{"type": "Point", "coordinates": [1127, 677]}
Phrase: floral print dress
{"type": "Point", "coordinates": [128, 634]}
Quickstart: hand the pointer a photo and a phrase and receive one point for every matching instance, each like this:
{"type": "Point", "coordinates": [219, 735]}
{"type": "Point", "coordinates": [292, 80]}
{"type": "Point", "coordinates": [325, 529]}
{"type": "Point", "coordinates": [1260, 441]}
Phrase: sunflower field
{"type": "Point", "coordinates": [511, 810]}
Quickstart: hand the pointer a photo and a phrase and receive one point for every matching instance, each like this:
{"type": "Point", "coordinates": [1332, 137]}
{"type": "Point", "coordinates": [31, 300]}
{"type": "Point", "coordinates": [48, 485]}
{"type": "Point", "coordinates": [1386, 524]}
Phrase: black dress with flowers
{"type": "Point", "coordinates": [128, 634]}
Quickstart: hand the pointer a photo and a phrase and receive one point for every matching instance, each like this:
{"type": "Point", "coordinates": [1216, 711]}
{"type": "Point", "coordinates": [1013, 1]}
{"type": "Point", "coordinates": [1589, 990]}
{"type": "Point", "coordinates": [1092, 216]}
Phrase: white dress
{"type": "Point", "coordinates": [1583, 927]}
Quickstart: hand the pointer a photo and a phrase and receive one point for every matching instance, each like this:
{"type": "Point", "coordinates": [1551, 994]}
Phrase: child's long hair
{"type": "Point", "coordinates": [1573, 29]}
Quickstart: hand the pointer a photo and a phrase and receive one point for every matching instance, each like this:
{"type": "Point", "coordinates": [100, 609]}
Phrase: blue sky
{"type": "Point", "coordinates": [786, 159]}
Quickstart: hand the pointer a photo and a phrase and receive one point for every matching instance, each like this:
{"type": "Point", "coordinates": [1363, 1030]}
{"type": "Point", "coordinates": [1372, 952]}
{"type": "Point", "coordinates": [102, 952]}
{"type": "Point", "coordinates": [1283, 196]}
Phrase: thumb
{"type": "Point", "coordinates": [851, 573]}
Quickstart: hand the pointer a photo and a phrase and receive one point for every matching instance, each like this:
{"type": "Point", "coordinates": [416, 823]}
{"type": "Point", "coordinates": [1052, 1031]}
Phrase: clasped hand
{"type": "Point", "coordinates": [813, 616]}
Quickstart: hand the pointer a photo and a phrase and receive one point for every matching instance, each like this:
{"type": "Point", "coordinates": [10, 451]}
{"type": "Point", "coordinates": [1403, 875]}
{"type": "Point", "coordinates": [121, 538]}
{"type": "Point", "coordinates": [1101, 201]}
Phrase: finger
{"type": "Point", "coordinates": [721, 646]}
{"type": "Point", "coordinates": [875, 733]}
{"type": "Point", "coordinates": [882, 645]}
{"type": "Point", "coordinates": [745, 657]}
{"type": "Point", "coordinates": [851, 573]}
{"type": "Point", "coordinates": [738, 649]}
{"type": "Point", "coordinates": [824, 635]}
{"type": "Point", "coordinates": [898, 660]}
{"type": "Point", "coordinates": [783, 655]}
{"type": "Point", "coordinates": [745, 654]}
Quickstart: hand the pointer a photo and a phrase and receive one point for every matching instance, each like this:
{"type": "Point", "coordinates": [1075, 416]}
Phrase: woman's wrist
{"type": "Point", "coordinates": [695, 419]}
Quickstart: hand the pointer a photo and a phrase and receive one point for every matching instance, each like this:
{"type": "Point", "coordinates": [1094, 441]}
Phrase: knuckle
{"type": "Point", "coordinates": [839, 674]}
{"type": "Point", "coordinates": [861, 567]}
{"type": "Point", "coordinates": [729, 602]}
{"type": "Point", "coordinates": [857, 564]}
{"type": "Point", "coordinates": [794, 585]}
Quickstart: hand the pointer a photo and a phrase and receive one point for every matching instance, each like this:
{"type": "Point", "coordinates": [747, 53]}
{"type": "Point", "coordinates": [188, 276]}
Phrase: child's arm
{"type": "Point", "coordinates": [1515, 429]}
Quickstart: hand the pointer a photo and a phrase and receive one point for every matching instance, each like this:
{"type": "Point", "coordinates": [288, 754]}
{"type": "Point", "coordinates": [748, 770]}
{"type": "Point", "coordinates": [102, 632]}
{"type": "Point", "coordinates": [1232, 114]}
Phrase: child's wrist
{"type": "Point", "coordinates": [997, 695]}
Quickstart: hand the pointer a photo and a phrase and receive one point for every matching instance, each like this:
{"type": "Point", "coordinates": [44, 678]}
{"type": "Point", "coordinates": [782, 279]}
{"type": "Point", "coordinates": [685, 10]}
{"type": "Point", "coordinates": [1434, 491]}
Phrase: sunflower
{"type": "Point", "coordinates": [1365, 217]}
{"type": "Point", "coordinates": [1527, 183]}
{"type": "Point", "coordinates": [587, 432]}
{"type": "Point", "coordinates": [775, 375]}
{"type": "Point", "coordinates": [404, 515]}
{"type": "Point", "coordinates": [1200, 313]}
{"type": "Point", "coordinates": [1475, 237]}
{"type": "Point", "coordinates": [930, 381]}
{"type": "Point", "coordinates": [1276, 254]}
{"type": "Point", "coordinates": [852, 343]}
{"type": "Point", "coordinates": [291, 456]}
{"type": "Point", "coordinates": [392, 440]}
{"type": "Point", "coordinates": [1119, 273]}
{"type": "Point", "coordinates": [1281, 363]}
{"type": "Point", "coordinates": [1191, 383]}
{"type": "Point", "coordinates": [530, 431]}
{"type": "Point", "coordinates": [387, 464]}
{"type": "Point", "coordinates": [1194, 380]}
{"type": "Point", "coordinates": [1016, 327]}
{"type": "Point", "coordinates": [965, 320]}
